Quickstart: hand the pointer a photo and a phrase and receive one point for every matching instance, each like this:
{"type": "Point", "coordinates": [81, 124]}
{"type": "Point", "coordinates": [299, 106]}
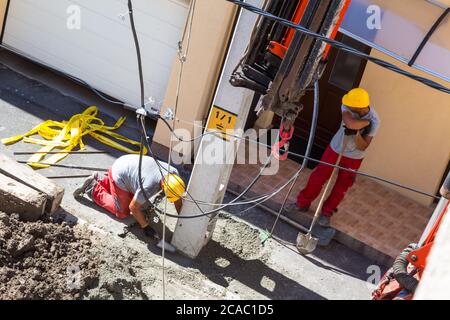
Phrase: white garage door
{"type": "Point", "coordinates": [101, 51]}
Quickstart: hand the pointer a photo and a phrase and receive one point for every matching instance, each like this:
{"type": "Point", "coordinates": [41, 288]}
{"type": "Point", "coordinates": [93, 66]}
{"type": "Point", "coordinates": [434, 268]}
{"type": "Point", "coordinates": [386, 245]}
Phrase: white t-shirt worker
{"type": "Point", "coordinates": [360, 123]}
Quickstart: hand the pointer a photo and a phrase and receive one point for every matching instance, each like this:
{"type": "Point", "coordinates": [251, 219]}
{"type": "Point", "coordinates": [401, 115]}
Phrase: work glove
{"type": "Point", "coordinates": [366, 131]}
{"type": "Point", "coordinates": [150, 232]}
{"type": "Point", "coordinates": [350, 132]}
{"type": "Point", "coordinates": [407, 282]}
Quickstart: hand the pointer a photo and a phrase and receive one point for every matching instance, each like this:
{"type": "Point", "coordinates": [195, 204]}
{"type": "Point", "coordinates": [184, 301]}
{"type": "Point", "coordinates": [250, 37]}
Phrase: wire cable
{"type": "Point", "coordinates": [285, 22]}
{"type": "Point", "coordinates": [340, 45]}
{"type": "Point", "coordinates": [306, 31]}
{"type": "Point", "coordinates": [312, 135]}
{"type": "Point", "coordinates": [293, 180]}
{"type": "Point", "coordinates": [144, 137]}
{"type": "Point", "coordinates": [182, 57]}
{"type": "Point", "coordinates": [214, 211]}
{"type": "Point", "coordinates": [304, 157]}
{"type": "Point", "coordinates": [223, 206]}
{"type": "Point", "coordinates": [300, 156]}
{"type": "Point", "coordinates": [216, 133]}
{"type": "Point", "coordinates": [268, 196]}
{"type": "Point", "coordinates": [138, 52]}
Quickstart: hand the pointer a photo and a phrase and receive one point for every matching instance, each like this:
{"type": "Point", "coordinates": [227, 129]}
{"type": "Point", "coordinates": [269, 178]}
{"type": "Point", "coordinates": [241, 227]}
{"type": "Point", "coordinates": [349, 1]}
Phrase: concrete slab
{"type": "Point", "coordinates": [21, 199]}
{"type": "Point", "coordinates": [27, 176]}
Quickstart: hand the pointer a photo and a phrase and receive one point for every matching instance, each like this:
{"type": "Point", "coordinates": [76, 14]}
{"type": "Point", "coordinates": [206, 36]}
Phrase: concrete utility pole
{"type": "Point", "coordinates": [216, 154]}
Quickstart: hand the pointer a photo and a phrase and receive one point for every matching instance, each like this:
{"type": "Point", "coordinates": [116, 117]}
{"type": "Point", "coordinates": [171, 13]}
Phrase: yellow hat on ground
{"type": "Point", "coordinates": [357, 98]}
{"type": "Point", "coordinates": [173, 187]}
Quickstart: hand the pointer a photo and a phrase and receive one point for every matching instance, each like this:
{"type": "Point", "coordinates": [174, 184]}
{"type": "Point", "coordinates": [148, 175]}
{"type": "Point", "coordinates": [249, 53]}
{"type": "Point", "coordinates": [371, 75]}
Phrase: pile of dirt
{"type": "Point", "coordinates": [122, 274]}
{"type": "Point", "coordinates": [239, 238]}
{"type": "Point", "coordinates": [36, 261]}
{"type": "Point", "coordinates": [132, 269]}
{"type": "Point", "coordinates": [47, 259]}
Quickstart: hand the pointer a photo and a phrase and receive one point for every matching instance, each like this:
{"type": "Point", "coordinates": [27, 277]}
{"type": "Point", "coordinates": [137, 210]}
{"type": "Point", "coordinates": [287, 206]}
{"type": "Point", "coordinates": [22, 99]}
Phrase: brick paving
{"type": "Point", "coordinates": [372, 213]}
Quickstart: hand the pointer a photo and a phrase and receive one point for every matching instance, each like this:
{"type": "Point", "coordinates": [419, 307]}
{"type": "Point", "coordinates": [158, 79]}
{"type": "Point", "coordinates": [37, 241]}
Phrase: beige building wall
{"type": "Point", "coordinates": [212, 25]}
{"type": "Point", "coordinates": [413, 145]}
{"type": "Point", "coordinates": [3, 4]}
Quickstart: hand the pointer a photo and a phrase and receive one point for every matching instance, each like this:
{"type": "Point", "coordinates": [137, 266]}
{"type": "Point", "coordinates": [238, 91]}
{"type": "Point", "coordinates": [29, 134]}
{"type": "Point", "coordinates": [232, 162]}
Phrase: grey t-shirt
{"type": "Point", "coordinates": [352, 151]}
{"type": "Point", "coordinates": [125, 173]}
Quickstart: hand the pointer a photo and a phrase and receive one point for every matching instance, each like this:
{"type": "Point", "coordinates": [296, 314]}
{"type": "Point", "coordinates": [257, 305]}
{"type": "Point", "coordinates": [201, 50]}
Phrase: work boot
{"type": "Point", "coordinates": [293, 208]}
{"type": "Point", "coordinates": [150, 232]}
{"type": "Point", "coordinates": [87, 187]}
{"type": "Point", "coordinates": [324, 221]}
{"type": "Point", "coordinates": [167, 246]}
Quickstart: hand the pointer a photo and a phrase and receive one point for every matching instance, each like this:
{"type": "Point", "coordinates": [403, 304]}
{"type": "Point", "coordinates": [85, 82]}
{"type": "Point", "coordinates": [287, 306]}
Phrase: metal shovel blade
{"type": "Point", "coordinates": [306, 243]}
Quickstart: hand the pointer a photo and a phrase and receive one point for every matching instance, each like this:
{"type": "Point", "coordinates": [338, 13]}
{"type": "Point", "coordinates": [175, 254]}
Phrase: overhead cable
{"type": "Point", "coordinates": [301, 156]}
{"type": "Point", "coordinates": [340, 45]}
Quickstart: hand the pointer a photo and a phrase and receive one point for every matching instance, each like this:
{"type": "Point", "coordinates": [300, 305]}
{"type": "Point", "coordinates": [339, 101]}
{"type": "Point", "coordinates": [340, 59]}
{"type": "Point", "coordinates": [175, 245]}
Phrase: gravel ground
{"type": "Point", "coordinates": [36, 260]}
{"type": "Point", "coordinates": [41, 260]}
{"type": "Point", "coordinates": [132, 269]}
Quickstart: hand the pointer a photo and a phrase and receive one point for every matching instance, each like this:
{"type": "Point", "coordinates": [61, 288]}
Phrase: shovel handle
{"type": "Point", "coordinates": [322, 199]}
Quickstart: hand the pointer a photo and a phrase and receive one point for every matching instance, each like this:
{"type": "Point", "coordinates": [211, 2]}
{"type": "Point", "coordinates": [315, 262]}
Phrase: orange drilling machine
{"type": "Point", "coordinates": [401, 281]}
{"type": "Point", "coordinates": [281, 63]}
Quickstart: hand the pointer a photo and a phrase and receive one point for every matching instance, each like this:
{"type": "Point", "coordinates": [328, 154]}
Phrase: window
{"type": "Point", "coordinates": [441, 3]}
{"type": "Point", "coordinates": [347, 66]}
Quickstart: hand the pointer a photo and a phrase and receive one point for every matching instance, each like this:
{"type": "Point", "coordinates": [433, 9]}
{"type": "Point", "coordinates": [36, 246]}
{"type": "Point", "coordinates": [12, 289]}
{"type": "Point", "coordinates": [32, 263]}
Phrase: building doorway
{"type": "Point", "coordinates": [343, 73]}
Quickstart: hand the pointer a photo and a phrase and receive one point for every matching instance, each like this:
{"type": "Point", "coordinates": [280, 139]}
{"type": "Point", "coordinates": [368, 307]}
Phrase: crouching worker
{"type": "Point", "coordinates": [120, 193]}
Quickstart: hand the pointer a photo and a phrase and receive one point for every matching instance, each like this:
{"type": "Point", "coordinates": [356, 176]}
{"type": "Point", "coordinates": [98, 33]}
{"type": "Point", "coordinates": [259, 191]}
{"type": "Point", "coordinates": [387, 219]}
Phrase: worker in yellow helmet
{"type": "Point", "coordinates": [360, 123]}
{"type": "Point", "coordinates": [120, 193]}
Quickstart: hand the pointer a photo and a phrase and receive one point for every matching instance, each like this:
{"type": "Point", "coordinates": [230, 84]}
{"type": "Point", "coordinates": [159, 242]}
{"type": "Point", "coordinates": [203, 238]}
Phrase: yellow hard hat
{"type": "Point", "coordinates": [173, 187]}
{"type": "Point", "coordinates": [357, 98]}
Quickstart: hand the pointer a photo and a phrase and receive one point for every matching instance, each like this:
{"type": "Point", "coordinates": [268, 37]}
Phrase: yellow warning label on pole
{"type": "Point", "coordinates": [222, 121]}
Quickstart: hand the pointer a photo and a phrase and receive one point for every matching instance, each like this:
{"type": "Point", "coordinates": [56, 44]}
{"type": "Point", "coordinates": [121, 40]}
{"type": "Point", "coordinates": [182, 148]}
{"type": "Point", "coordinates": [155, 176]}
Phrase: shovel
{"type": "Point", "coordinates": [307, 243]}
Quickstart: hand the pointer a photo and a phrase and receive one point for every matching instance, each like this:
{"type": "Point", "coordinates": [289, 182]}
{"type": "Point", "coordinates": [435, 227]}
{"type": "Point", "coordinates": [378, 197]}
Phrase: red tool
{"type": "Point", "coordinates": [411, 262]}
{"type": "Point", "coordinates": [280, 48]}
{"type": "Point", "coordinates": [418, 257]}
{"type": "Point", "coordinates": [285, 136]}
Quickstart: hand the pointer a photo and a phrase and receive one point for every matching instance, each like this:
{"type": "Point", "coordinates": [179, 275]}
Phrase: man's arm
{"type": "Point", "coordinates": [362, 142]}
{"type": "Point", "coordinates": [353, 123]}
{"type": "Point", "coordinates": [139, 216]}
{"type": "Point", "coordinates": [136, 212]}
{"type": "Point", "coordinates": [178, 205]}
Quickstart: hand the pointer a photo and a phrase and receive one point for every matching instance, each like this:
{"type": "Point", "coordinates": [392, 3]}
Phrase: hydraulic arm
{"type": "Point", "coordinates": [280, 62]}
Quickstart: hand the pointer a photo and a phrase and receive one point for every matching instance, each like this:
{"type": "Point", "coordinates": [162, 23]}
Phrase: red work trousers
{"type": "Point", "coordinates": [109, 196]}
{"type": "Point", "coordinates": [321, 175]}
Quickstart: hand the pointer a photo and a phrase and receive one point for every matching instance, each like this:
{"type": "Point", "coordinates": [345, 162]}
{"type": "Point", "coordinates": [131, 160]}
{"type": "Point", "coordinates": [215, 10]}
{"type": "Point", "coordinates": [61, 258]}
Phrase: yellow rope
{"type": "Point", "coordinates": [67, 135]}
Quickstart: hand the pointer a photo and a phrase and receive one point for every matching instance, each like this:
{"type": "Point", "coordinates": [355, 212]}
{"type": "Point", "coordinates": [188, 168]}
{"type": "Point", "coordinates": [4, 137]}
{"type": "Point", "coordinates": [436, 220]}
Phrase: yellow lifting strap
{"type": "Point", "coordinates": [67, 135]}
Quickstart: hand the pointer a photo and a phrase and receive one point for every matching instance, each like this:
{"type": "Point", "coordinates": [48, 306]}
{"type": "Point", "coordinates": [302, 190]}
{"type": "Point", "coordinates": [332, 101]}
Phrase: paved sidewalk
{"type": "Point", "coordinates": [371, 213]}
